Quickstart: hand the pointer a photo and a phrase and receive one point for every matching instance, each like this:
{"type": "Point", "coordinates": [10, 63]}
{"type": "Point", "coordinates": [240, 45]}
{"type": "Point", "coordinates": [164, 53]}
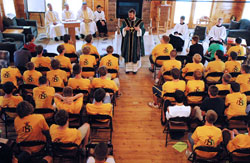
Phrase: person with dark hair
{"type": "Point", "coordinates": [60, 132]}
{"type": "Point", "coordinates": [162, 49]}
{"type": "Point", "coordinates": [40, 60]}
{"type": "Point", "coordinates": [132, 48]}
{"type": "Point", "coordinates": [54, 27]}
{"type": "Point", "coordinates": [30, 43]}
{"type": "Point", "coordinates": [101, 154]}
{"type": "Point", "coordinates": [11, 74]}
{"type": "Point", "coordinates": [78, 82]}
{"type": "Point", "coordinates": [101, 21]}
{"type": "Point", "coordinates": [69, 48]}
{"type": "Point", "coordinates": [64, 61]}
{"type": "Point", "coordinates": [93, 49]}
{"type": "Point", "coordinates": [213, 48]}
{"type": "Point", "coordinates": [217, 33]}
{"type": "Point", "coordinates": [191, 67]}
{"type": "Point", "coordinates": [225, 85]}
{"type": "Point", "coordinates": [88, 25]}
{"type": "Point", "coordinates": [29, 126]}
{"type": "Point", "coordinates": [207, 135]}
{"type": "Point", "coordinates": [215, 66]}
{"type": "Point", "coordinates": [56, 77]}
{"type": "Point", "coordinates": [44, 94]}
{"type": "Point", "coordinates": [238, 48]}
{"type": "Point", "coordinates": [87, 60]}
{"type": "Point", "coordinates": [244, 78]}
{"type": "Point", "coordinates": [179, 109]}
{"type": "Point", "coordinates": [235, 102]}
{"type": "Point", "coordinates": [31, 76]}
{"type": "Point", "coordinates": [195, 48]}
{"type": "Point", "coordinates": [179, 34]}
{"type": "Point", "coordinates": [72, 104]}
{"type": "Point", "coordinates": [21, 57]}
{"type": "Point", "coordinates": [232, 65]}
{"type": "Point", "coordinates": [9, 100]}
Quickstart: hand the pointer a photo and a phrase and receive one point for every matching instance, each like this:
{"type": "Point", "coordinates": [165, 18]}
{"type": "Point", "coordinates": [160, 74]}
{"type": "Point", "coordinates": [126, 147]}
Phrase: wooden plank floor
{"type": "Point", "coordinates": [138, 135]}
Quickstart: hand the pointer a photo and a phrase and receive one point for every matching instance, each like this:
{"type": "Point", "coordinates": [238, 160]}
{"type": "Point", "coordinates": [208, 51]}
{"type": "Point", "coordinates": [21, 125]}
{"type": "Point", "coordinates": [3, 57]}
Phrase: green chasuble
{"type": "Point", "coordinates": [132, 46]}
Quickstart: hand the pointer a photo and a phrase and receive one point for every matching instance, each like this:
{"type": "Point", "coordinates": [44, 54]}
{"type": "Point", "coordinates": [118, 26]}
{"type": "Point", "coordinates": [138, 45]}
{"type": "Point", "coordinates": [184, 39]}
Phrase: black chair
{"type": "Point", "coordinates": [156, 65]}
{"type": "Point", "coordinates": [65, 69]}
{"type": "Point", "coordinates": [196, 94]}
{"type": "Point", "coordinates": [58, 89]}
{"type": "Point", "coordinates": [50, 55]}
{"type": "Point", "coordinates": [237, 122]}
{"type": "Point", "coordinates": [196, 158]}
{"type": "Point", "coordinates": [97, 125]}
{"type": "Point", "coordinates": [114, 54]}
{"type": "Point", "coordinates": [244, 152]}
{"type": "Point", "coordinates": [96, 56]}
{"type": "Point", "coordinates": [166, 73]}
{"type": "Point", "coordinates": [223, 93]}
{"type": "Point", "coordinates": [25, 88]}
{"type": "Point", "coordinates": [234, 74]}
{"type": "Point", "coordinates": [22, 69]}
{"type": "Point", "coordinates": [201, 32]}
{"type": "Point", "coordinates": [88, 69]}
{"type": "Point", "coordinates": [188, 74]}
{"type": "Point", "coordinates": [8, 121]}
{"type": "Point", "coordinates": [43, 70]}
{"type": "Point", "coordinates": [75, 120]}
{"type": "Point", "coordinates": [113, 71]}
{"type": "Point", "coordinates": [176, 124]}
{"type": "Point", "coordinates": [4, 59]}
{"type": "Point", "coordinates": [68, 151]}
{"type": "Point", "coordinates": [45, 112]}
{"type": "Point", "coordinates": [241, 58]}
{"type": "Point", "coordinates": [214, 74]}
{"type": "Point", "coordinates": [247, 93]}
{"type": "Point", "coordinates": [72, 56]}
{"type": "Point", "coordinates": [84, 92]}
{"type": "Point", "coordinates": [181, 58]}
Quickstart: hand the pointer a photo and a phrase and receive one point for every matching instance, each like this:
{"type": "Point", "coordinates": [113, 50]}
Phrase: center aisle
{"type": "Point", "coordinates": [138, 135]}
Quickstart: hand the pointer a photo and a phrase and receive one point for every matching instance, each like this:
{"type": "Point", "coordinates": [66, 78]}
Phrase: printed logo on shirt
{"type": "Point", "coordinates": [249, 80]}
{"type": "Point", "coordinates": [27, 128]}
{"type": "Point", "coordinates": [109, 63]}
{"type": "Point", "coordinates": [55, 78]}
{"type": "Point", "coordinates": [239, 52]}
{"type": "Point", "coordinates": [165, 50]}
{"type": "Point", "coordinates": [7, 74]}
{"type": "Point", "coordinates": [43, 96]}
{"type": "Point", "coordinates": [85, 62]}
{"type": "Point", "coordinates": [240, 102]}
{"type": "Point", "coordinates": [40, 65]}
{"type": "Point", "coordinates": [30, 79]}
{"type": "Point", "coordinates": [197, 89]}
{"type": "Point", "coordinates": [236, 69]}
{"type": "Point", "coordinates": [209, 141]}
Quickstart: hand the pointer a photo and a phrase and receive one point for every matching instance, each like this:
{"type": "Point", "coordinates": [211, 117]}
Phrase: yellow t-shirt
{"type": "Point", "coordinates": [161, 50]}
{"type": "Point", "coordinates": [64, 61]}
{"type": "Point", "coordinates": [69, 48]}
{"type": "Point", "coordinates": [172, 86]}
{"type": "Point", "coordinates": [87, 61]}
{"type": "Point", "coordinates": [67, 135]}
{"type": "Point", "coordinates": [244, 81]}
{"type": "Point", "coordinates": [30, 128]}
{"type": "Point", "coordinates": [237, 103]}
{"type": "Point", "coordinates": [41, 61]}
{"type": "Point", "coordinates": [93, 49]}
{"type": "Point", "coordinates": [10, 74]}
{"type": "Point", "coordinates": [31, 77]}
{"type": "Point", "coordinates": [73, 108]}
{"type": "Point", "coordinates": [82, 84]}
{"type": "Point", "coordinates": [168, 66]}
{"type": "Point", "coordinates": [240, 141]}
{"type": "Point", "coordinates": [43, 96]}
{"type": "Point", "coordinates": [232, 66]}
{"type": "Point", "coordinates": [207, 136]}
{"type": "Point", "coordinates": [222, 87]}
{"type": "Point", "coordinates": [215, 66]}
{"type": "Point", "coordinates": [195, 86]}
{"type": "Point", "coordinates": [103, 109]}
{"type": "Point", "coordinates": [57, 78]}
{"type": "Point", "coordinates": [240, 50]}
{"type": "Point", "coordinates": [110, 62]}
{"type": "Point", "coordinates": [10, 102]}
{"type": "Point", "coordinates": [104, 83]}
{"type": "Point", "coordinates": [191, 67]}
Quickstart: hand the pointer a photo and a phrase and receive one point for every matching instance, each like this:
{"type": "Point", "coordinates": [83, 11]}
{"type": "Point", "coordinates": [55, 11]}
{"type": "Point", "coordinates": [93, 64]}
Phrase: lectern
{"type": "Point", "coordinates": [71, 25]}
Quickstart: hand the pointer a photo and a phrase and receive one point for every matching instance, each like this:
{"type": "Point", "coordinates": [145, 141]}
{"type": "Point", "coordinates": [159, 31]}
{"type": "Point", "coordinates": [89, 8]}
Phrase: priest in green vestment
{"type": "Point", "coordinates": [132, 48]}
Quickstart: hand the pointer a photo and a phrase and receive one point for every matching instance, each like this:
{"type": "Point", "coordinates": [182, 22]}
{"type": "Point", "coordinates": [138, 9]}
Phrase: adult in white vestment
{"type": "Point", "coordinates": [54, 27]}
{"type": "Point", "coordinates": [217, 33]}
{"type": "Point", "coordinates": [88, 25]}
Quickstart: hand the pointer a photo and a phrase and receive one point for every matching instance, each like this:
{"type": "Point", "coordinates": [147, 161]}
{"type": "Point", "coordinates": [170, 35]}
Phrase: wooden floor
{"type": "Point", "coordinates": [138, 135]}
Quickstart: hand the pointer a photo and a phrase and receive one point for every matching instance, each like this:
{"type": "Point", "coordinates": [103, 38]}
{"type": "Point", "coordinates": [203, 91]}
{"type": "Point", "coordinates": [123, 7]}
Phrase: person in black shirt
{"type": "Point", "coordinates": [211, 103]}
{"type": "Point", "coordinates": [195, 48]}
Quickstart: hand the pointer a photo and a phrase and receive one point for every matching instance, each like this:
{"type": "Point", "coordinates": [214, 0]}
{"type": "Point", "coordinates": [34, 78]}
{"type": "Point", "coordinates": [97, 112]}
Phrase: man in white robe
{"type": "Point", "coordinates": [54, 27]}
{"type": "Point", "coordinates": [67, 15]}
{"type": "Point", "coordinates": [180, 33]}
{"type": "Point", "coordinates": [217, 33]}
{"type": "Point", "coordinates": [86, 16]}
{"type": "Point", "coordinates": [101, 21]}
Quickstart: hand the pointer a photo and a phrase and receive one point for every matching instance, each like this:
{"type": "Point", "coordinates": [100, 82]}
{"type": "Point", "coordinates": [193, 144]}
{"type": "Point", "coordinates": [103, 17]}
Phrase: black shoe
{"type": "Point", "coordinates": [56, 39]}
{"type": "Point", "coordinates": [127, 72]}
{"type": "Point", "coordinates": [105, 35]}
{"type": "Point", "coordinates": [77, 37]}
{"type": "Point", "coordinates": [134, 73]}
{"type": "Point", "coordinates": [150, 69]}
{"type": "Point", "coordinates": [61, 38]}
{"type": "Point", "coordinates": [82, 36]}
{"type": "Point", "coordinates": [94, 35]}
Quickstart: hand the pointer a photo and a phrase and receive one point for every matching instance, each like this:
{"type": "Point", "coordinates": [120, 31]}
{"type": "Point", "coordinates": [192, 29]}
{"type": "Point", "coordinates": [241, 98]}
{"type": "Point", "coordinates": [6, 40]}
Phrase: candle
{"type": "Point", "coordinates": [118, 22]}
{"type": "Point", "coordinates": [151, 22]}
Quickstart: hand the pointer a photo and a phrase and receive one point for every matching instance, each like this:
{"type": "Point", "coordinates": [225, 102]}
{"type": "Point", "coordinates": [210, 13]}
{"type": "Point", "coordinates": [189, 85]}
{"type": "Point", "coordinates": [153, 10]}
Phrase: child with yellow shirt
{"type": "Point", "coordinates": [225, 85]}
{"type": "Point", "coordinates": [93, 49]}
{"type": "Point", "coordinates": [233, 65]}
{"type": "Point", "coordinates": [56, 77]}
{"type": "Point", "coordinates": [40, 60]}
{"type": "Point", "coordinates": [235, 102]}
{"type": "Point", "coordinates": [87, 61]}
{"type": "Point", "coordinates": [69, 48]}
{"type": "Point", "coordinates": [191, 67]}
{"type": "Point", "coordinates": [162, 49]}
{"type": "Point", "coordinates": [244, 78]}
{"type": "Point", "coordinates": [215, 66]}
{"type": "Point", "coordinates": [31, 76]}
{"type": "Point", "coordinates": [11, 74]}
{"type": "Point", "coordinates": [196, 85]}
{"type": "Point", "coordinates": [240, 50]}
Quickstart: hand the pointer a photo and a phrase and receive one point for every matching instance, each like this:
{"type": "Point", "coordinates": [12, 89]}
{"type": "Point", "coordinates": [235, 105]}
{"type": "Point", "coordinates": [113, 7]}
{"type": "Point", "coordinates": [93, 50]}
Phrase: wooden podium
{"type": "Point", "coordinates": [71, 25]}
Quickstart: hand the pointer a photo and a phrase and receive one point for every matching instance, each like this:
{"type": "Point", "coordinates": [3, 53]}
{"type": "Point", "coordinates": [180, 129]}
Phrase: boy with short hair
{"type": "Point", "coordinates": [226, 78]}
{"type": "Point", "coordinates": [56, 77]}
{"type": "Point", "coordinates": [11, 74]}
{"type": "Point", "coordinates": [244, 78]}
{"type": "Point", "coordinates": [195, 48]}
{"type": "Point", "coordinates": [93, 49]}
{"type": "Point", "coordinates": [232, 65]}
{"type": "Point", "coordinates": [238, 48]}
{"type": "Point", "coordinates": [40, 60]}
{"type": "Point", "coordinates": [69, 48]}
{"type": "Point", "coordinates": [235, 102]}
{"type": "Point", "coordinates": [162, 49]}
{"type": "Point", "coordinates": [31, 76]}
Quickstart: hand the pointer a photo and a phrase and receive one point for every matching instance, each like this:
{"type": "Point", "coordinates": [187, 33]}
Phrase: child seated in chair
{"type": "Point", "coordinates": [213, 48]}
{"type": "Point", "coordinates": [235, 102]}
{"type": "Point", "coordinates": [244, 78]}
{"type": "Point", "coordinates": [31, 76]}
{"type": "Point", "coordinates": [238, 48]}
{"type": "Point", "coordinates": [40, 60]}
{"type": "Point", "coordinates": [225, 85]}
{"type": "Point", "coordinates": [195, 48]}
{"type": "Point", "coordinates": [69, 48]}
{"type": "Point", "coordinates": [232, 65]}
{"type": "Point", "coordinates": [93, 49]}
{"type": "Point", "coordinates": [11, 74]}
{"type": "Point", "coordinates": [60, 132]}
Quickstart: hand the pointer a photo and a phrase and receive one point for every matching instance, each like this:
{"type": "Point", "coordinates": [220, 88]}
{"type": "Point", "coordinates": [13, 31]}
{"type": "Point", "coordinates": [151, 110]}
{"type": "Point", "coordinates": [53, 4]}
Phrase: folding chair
{"type": "Point", "coordinates": [237, 122]}
{"type": "Point", "coordinates": [51, 55]}
{"type": "Point", "coordinates": [248, 96]}
{"type": "Point", "coordinates": [96, 56]}
{"type": "Point", "coordinates": [43, 70]}
{"type": "Point", "coordinates": [114, 54]}
{"type": "Point", "coordinates": [97, 125]}
{"type": "Point", "coordinates": [8, 121]}
{"type": "Point", "coordinates": [22, 69]}
{"type": "Point", "coordinates": [88, 69]}
{"type": "Point", "coordinates": [113, 71]}
{"type": "Point", "coordinates": [201, 32]}
{"type": "Point", "coordinates": [92, 145]}
{"type": "Point", "coordinates": [58, 89]}
{"type": "Point", "coordinates": [166, 73]}
{"type": "Point", "coordinates": [196, 158]}
{"type": "Point", "coordinates": [241, 58]}
{"type": "Point", "coordinates": [214, 74]}
{"type": "Point", "coordinates": [75, 120]}
{"type": "Point", "coordinates": [66, 70]}
{"type": "Point", "coordinates": [156, 65]}
{"type": "Point", "coordinates": [72, 56]}
{"type": "Point", "coordinates": [244, 152]}
{"type": "Point", "coordinates": [181, 58]}
{"type": "Point", "coordinates": [84, 92]}
{"type": "Point", "coordinates": [196, 94]}
{"type": "Point", "coordinates": [66, 151]}
{"type": "Point", "coordinates": [176, 124]}
{"type": "Point", "coordinates": [223, 93]}
{"type": "Point", "coordinates": [25, 88]}
{"type": "Point", "coordinates": [45, 112]}
{"type": "Point", "coordinates": [234, 74]}
{"type": "Point", "coordinates": [188, 74]}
